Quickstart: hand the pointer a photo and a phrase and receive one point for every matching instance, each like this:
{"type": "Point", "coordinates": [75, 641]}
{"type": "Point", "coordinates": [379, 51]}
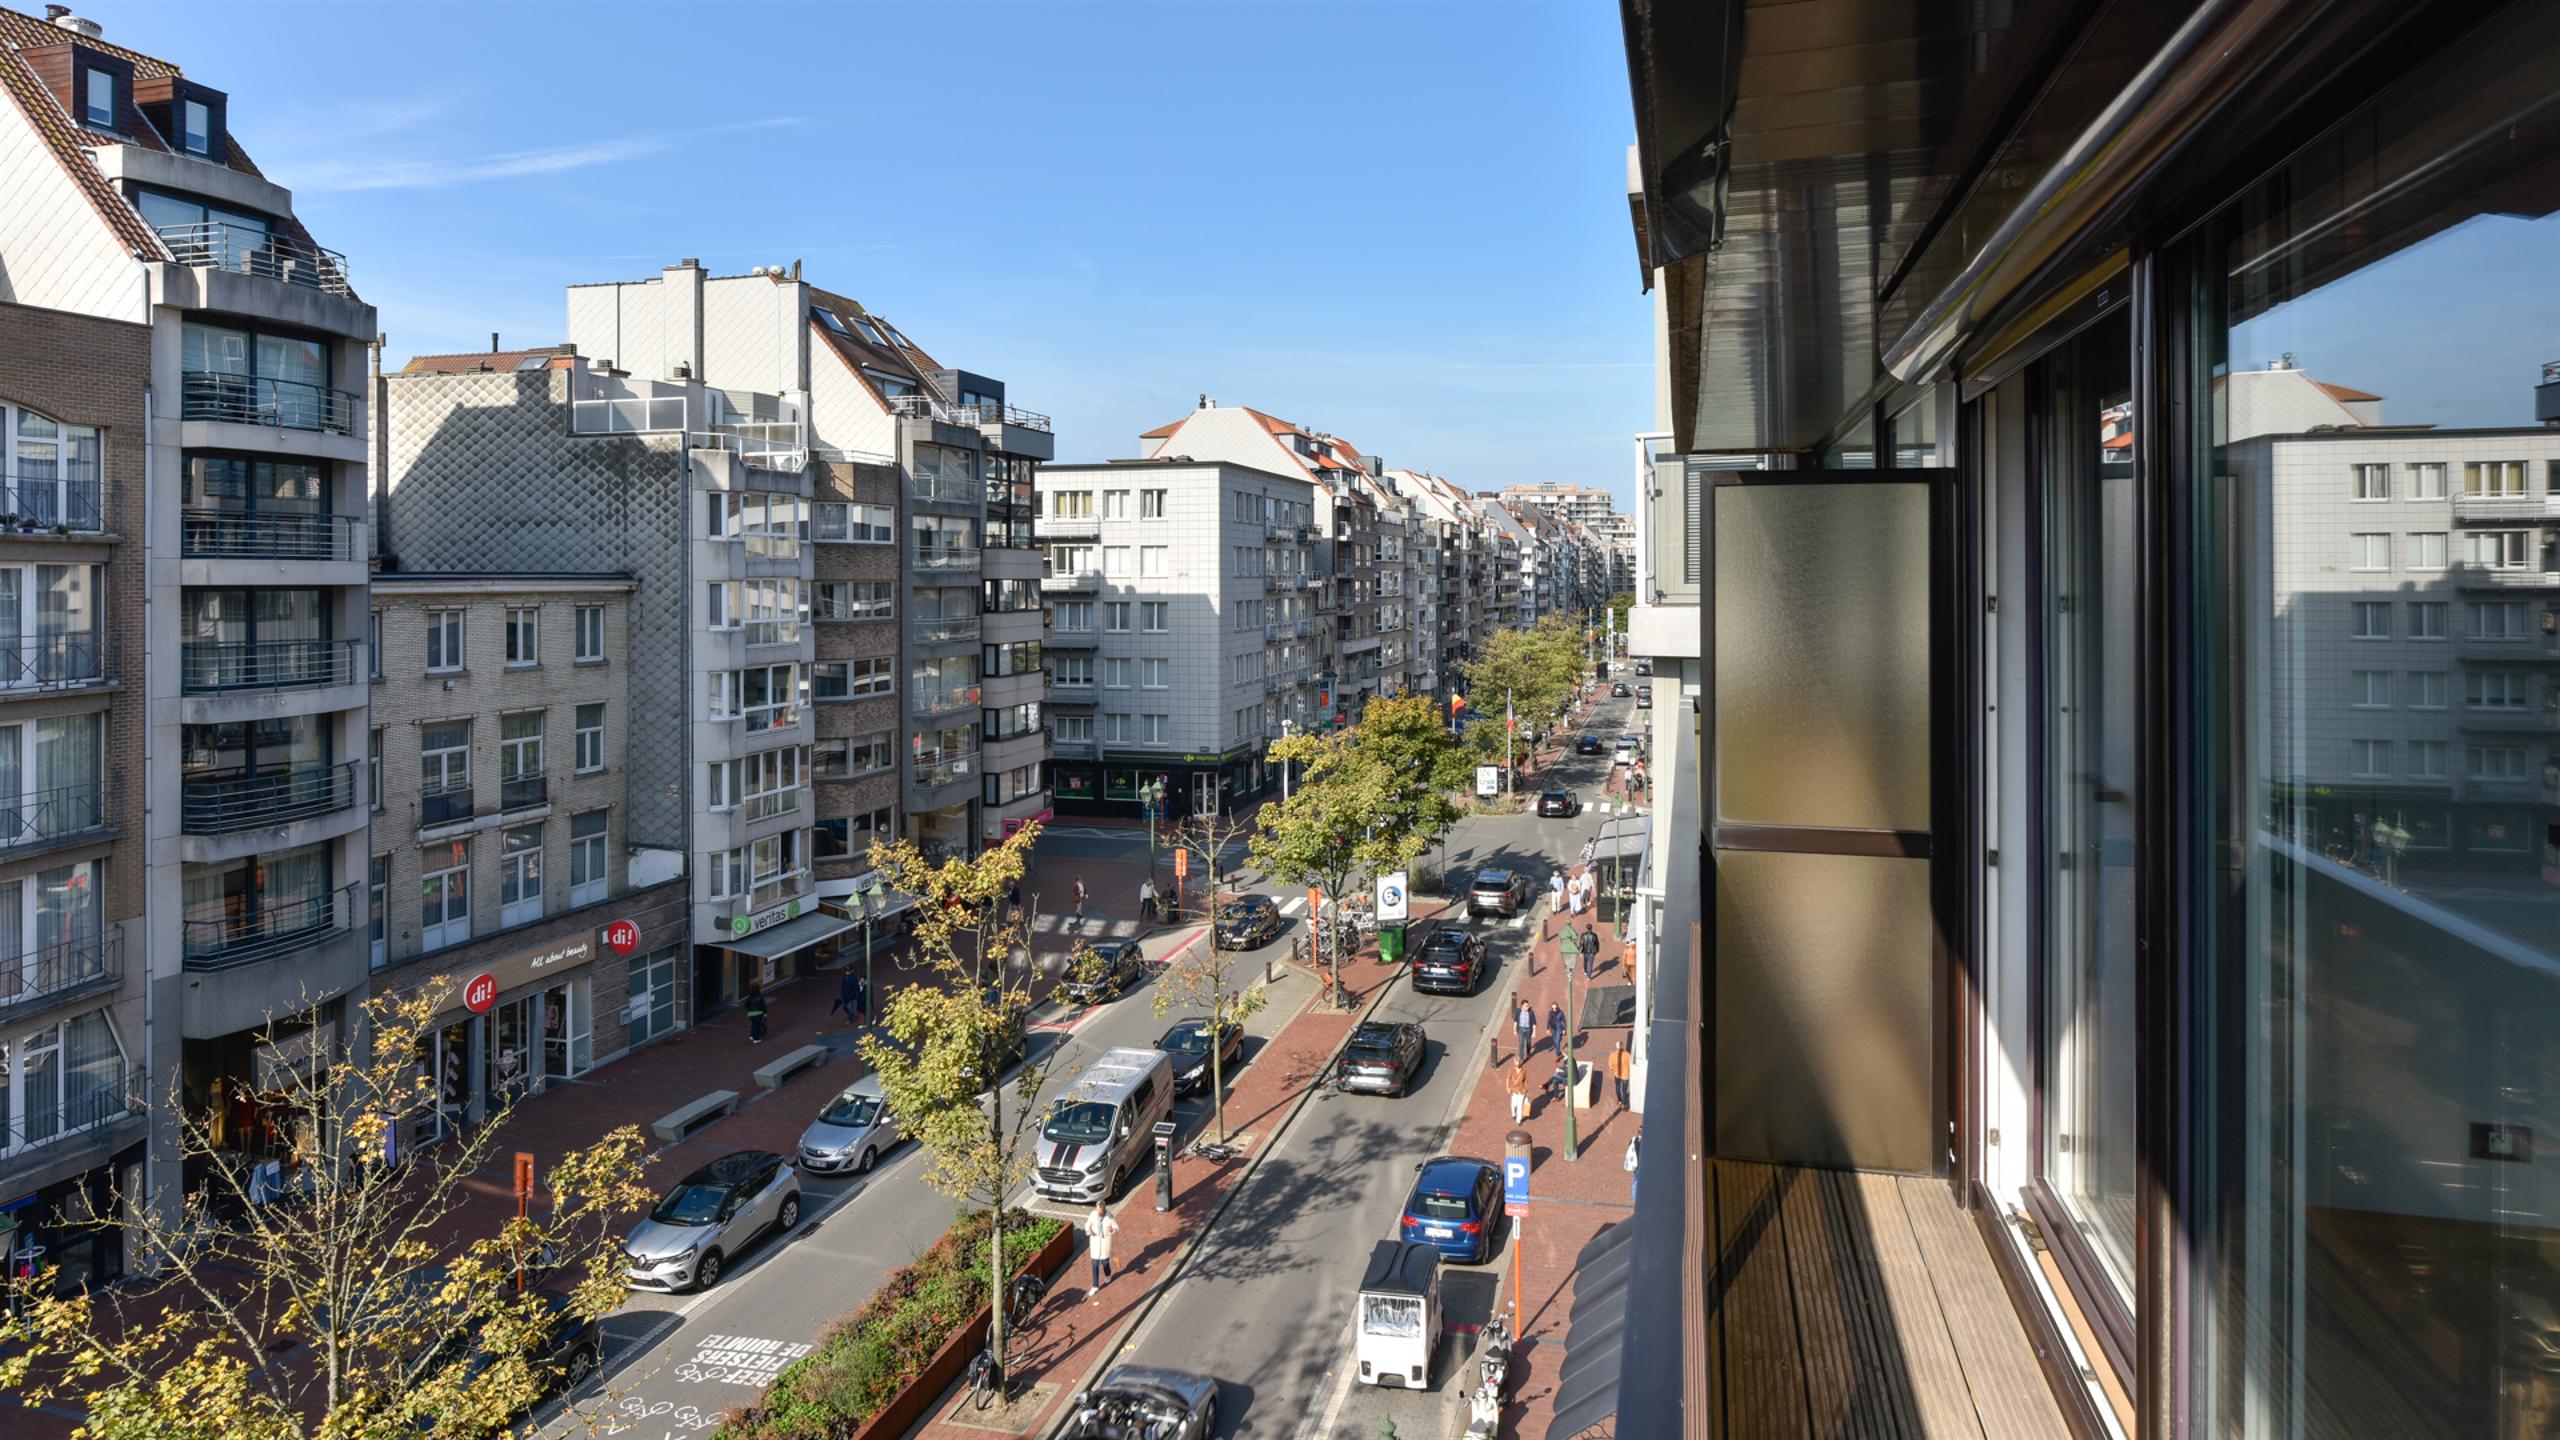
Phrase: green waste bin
{"type": "Point", "coordinates": [1391, 943]}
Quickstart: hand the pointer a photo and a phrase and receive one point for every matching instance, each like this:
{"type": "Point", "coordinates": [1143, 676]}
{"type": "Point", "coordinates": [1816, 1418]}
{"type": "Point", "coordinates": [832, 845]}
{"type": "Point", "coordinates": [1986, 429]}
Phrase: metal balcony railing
{"type": "Point", "coordinates": [942, 702]}
{"type": "Point", "coordinates": [65, 968]}
{"type": "Point", "coordinates": [946, 630]}
{"type": "Point", "coordinates": [57, 813]}
{"type": "Point", "coordinates": [57, 662]}
{"type": "Point", "coordinates": [444, 804]}
{"type": "Point", "coordinates": [1072, 640]}
{"type": "Point", "coordinates": [60, 498]}
{"type": "Point", "coordinates": [948, 770]}
{"type": "Point", "coordinates": [207, 534]}
{"type": "Point", "coordinates": [221, 805]}
{"type": "Point", "coordinates": [260, 400]}
{"type": "Point", "coordinates": [946, 489]}
{"type": "Point", "coordinates": [250, 250]}
{"type": "Point", "coordinates": [246, 936]}
{"type": "Point", "coordinates": [944, 558]}
{"type": "Point", "coordinates": [89, 1100]}
{"type": "Point", "coordinates": [926, 407]}
{"type": "Point", "coordinates": [523, 791]}
{"type": "Point", "coordinates": [206, 668]}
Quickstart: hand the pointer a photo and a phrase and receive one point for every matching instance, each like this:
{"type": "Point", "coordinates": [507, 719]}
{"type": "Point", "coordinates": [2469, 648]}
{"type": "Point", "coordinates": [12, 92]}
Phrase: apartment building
{"type": "Point", "coordinates": [556, 464]}
{"type": "Point", "coordinates": [499, 774]}
{"type": "Point", "coordinates": [1180, 629]}
{"type": "Point", "coordinates": [1585, 503]}
{"type": "Point", "coordinates": [131, 204]}
{"type": "Point", "coordinates": [912, 459]}
{"type": "Point", "coordinates": [1447, 516]}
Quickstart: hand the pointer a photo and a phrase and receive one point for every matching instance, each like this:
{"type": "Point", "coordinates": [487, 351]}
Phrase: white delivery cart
{"type": "Point", "coordinates": [1399, 1318]}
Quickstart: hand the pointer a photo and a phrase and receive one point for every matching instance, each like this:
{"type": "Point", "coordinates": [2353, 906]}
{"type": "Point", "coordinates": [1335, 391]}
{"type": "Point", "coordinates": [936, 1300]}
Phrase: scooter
{"type": "Point", "coordinates": [1493, 1355]}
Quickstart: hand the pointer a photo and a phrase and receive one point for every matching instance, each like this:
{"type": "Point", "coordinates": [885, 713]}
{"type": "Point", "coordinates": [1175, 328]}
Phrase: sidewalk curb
{"type": "Point", "coordinates": [1146, 1308]}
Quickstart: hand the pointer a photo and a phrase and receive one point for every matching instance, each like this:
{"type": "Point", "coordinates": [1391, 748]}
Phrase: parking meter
{"type": "Point", "coordinates": [1164, 1166]}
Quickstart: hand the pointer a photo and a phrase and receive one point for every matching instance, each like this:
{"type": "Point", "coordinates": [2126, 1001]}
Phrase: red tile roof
{"type": "Point", "coordinates": [2345, 392]}
{"type": "Point", "coordinates": [471, 361]}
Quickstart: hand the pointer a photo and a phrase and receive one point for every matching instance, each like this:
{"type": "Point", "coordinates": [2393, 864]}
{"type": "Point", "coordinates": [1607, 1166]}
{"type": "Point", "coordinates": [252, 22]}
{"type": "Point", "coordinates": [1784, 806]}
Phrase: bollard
{"type": "Point", "coordinates": [1386, 1430]}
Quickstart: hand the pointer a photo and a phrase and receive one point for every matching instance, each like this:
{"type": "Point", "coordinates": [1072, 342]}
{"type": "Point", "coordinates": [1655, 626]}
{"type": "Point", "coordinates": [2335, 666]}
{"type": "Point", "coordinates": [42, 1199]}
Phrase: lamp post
{"type": "Point", "coordinates": [861, 902]}
{"type": "Point", "coordinates": [1570, 1060]}
{"type": "Point", "coordinates": [1288, 727]}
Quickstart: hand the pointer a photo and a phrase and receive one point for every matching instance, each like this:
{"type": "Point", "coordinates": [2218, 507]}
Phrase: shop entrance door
{"type": "Point", "coordinates": [513, 1062]}
{"type": "Point", "coordinates": [1204, 793]}
{"type": "Point", "coordinates": [565, 1026]}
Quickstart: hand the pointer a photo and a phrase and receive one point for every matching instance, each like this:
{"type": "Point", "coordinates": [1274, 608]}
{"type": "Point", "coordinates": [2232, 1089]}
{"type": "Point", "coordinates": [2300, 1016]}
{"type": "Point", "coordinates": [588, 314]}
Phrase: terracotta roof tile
{"type": "Point", "coordinates": [2345, 392]}
{"type": "Point", "coordinates": [54, 127]}
{"type": "Point", "coordinates": [471, 361]}
{"type": "Point", "coordinates": [19, 31]}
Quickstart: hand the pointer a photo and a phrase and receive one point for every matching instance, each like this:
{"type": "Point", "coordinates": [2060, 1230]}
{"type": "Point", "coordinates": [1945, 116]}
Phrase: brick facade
{"type": "Point", "coordinates": [857, 640]}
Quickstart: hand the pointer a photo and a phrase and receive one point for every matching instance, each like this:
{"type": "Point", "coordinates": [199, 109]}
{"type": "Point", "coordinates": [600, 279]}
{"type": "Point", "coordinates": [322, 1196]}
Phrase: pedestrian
{"type": "Point", "coordinates": [861, 994]}
{"type": "Point", "coordinates": [1590, 951]}
{"type": "Point", "coordinates": [1013, 896]}
{"type": "Point", "coordinates": [1099, 1227]}
{"type": "Point", "coordinates": [848, 991]}
{"type": "Point", "coordinates": [1590, 852]}
{"type": "Point", "coordinates": [1147, 900]}
{"type": "Point", "coordinates": [1526, 1020]}
{"type": "Point", "coordinates": [1517, 1082]}
{"type": "Point", "coordinates": [755, 1014]}
{"type": "Point", "coordinates": [1555, 892]}
{"type": "Point", "coordinates": [1622, 1068]}
{"type": "Point", "coordinates": [1079, 902]}
{"type": "Point", "coordinates": [1631, 1166]}
{"type": "Point", "coordinates": [1555, 1026]}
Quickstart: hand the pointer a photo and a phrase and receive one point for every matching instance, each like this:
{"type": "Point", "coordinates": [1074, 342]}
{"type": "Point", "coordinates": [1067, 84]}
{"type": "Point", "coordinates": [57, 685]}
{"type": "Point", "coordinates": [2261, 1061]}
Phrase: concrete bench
{"type": "Point", "coordinates": [684, 1120]}
{"type": "Point", "coordinates": [788, 1064]}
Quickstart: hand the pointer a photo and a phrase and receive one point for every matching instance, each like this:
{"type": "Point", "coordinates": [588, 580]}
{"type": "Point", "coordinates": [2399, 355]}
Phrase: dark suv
{"type": "Point", "coordinates": [1103, 970]}
{"type": "Point", "coordinates": [1589, 745]}
{"type": "Point", "coordinates": [1450, 962]}
{"type": "Point", "coordinates": [1380, 1058]}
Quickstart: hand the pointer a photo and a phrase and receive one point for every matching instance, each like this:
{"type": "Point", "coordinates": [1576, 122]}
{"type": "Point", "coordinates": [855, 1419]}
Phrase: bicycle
{"type": "Point", "coordinates": [1213, 1150]}
{"type": "Point", "coordinates": [1022, 1297]}
{"type": "Point", "coordinates": [986, 1380]}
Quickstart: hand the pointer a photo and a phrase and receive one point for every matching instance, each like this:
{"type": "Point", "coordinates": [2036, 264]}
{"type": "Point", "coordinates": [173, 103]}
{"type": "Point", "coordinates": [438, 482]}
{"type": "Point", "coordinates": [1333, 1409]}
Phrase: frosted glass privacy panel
{"type": "Point", "coordinates": [1822, 1010]}
{"type": "Point", "coordinates": [1822, 655]}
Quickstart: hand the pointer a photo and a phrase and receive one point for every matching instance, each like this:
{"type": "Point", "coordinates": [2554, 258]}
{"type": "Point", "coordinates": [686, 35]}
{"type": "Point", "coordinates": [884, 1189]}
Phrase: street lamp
{"type": "Point", "coordinates": [1288, 727]}
{"type": "Point", "coordinates": [861, 903]}
{"type": "Point", "coordinates": [1571, 1059]}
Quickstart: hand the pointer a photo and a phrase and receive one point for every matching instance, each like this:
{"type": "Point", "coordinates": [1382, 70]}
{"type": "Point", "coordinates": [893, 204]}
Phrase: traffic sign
{"type": "Point", "coordinates": [1181, 864]}
{"type": "Point", "coordinates": [1394, 902]}
{"type": "Point", "coordinates": [524, 1175]}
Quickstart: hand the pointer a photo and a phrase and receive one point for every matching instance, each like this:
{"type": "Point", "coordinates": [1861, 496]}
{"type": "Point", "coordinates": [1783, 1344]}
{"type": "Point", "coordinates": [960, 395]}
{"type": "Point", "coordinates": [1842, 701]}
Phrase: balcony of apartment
{"type": "Point", "coordinates": [1077, 641]}
{"type": "Point", "coordinates": [224, 682]}
{"type": "Point", "coordinates": [73, 1124]}
{"type": "Point", "coordinates": [937, 631]}
{"type": "Point", "coordinates": [1022, 687]}
{"type": "Point", "coordinates": [254, 962]}
{"type": "Point", "coordinates": [753, 818]}
{"type": "Point", "coordinates": [1081, 749]}
{"type": "Point", "coordinates": [1006, 428]}
{"type": "Point", "coordinates": [944, 560]}
{"type": "Point", "coordinates": [2541, 574]}
{"type": "Point", "coordinates": [2508, 505]}
{"type": "Point", "coordinates": [1072, 692]}
{"type": "Point", "coordinates": [249, 548]}
{"type": "Point", "coordinates": [220, 410]}
{"type": "Point", "coordinates": [56, 502]}
{"type": "Point", "coordinates": [82, 812]}
{"type": "Point", "coordinates": [1068, 527]}
{"type": "Point", "coordinates": [60, 972]}
{"type": "Point", "coordinates": [226, 817]}
{"type": "Point", "coordinates": [1014, 751]}
{"type": "Point", "coordinates": [2516, 648]}
{"type": "Point", "coordinates": [2519, 720]}
{"type": "Point", "coordinates": [32, 665]}
{"type": "Point", "coordinates": [1084, 581]}
{"type": "Point", "coordinates": [935, 702]}
{"type": "Point", "coordinates": [934, 779]}
{"type": "Point", "coordinates": [1010, 627]}
{"type": "Point", "coordinates": [251, 272]}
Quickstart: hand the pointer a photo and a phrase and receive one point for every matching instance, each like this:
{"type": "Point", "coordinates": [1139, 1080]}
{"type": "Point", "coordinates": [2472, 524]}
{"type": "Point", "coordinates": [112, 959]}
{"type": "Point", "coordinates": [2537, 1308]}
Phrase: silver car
{"type": "Point", "coordinates": [709, 1216]}
{"type": "Point", "coordinates": [1145, 1400]}
{"type": "Point", "coordinates": [851, 1132]}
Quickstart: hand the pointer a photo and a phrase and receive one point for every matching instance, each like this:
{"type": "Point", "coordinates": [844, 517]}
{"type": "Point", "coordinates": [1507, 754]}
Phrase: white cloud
{"type": "Point", "coordinates": [433, 173]}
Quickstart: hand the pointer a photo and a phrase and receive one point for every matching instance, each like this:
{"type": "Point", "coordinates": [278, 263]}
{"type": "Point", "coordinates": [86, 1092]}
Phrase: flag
{"type": "Point", "coordinates": [1457, 703]}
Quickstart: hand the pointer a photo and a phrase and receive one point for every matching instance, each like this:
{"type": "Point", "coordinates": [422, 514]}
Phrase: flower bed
{"type": "Point", "coordinates": [866, 1360]}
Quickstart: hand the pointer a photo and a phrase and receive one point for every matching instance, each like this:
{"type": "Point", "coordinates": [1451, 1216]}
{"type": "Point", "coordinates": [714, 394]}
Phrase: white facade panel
{"type": "Point", "coordinates": [55, 249]}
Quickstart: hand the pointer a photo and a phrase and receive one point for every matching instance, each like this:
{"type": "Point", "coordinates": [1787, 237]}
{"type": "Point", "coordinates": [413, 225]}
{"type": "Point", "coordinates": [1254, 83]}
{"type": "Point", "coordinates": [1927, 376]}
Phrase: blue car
{"type": "Point", "coordinates": [1455, 1208]}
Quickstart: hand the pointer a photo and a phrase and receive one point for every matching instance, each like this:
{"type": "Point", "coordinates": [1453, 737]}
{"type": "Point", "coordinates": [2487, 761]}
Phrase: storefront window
{"type": "Point", "coordinates": [2379, 1037]}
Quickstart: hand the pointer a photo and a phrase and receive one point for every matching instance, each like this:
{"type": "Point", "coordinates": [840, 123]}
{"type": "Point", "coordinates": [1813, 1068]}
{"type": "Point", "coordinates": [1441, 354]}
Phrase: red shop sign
{"type": "Point", "coordinates": [481, 993]}
{"type": "Point", "coordinates": [622, 937]}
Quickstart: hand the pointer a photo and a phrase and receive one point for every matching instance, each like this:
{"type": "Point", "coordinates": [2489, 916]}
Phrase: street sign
{"type": "Point", "coordinates": [622, 937]}
{"type": "Point", "coordinates": [524, 1175]}
{"type": "Point", "coordinates": [480, 993]}
{"type": "Point", "coordinates": [1515, 1173]}
{"type": "Point", "coordinates": [1488, 780]}
{"type": "Point", "coordinates": [1181, 864]}
{"type": "Point", "coordinates": [1394, 902]}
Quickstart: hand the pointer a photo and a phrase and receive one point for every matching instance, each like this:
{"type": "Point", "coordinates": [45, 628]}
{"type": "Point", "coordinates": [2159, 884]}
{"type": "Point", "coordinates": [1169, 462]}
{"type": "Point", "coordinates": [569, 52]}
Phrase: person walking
{"type": "Point", "coordinates": [1079, 902]}
{"type": "Point", "coordinates": [1555, 1027]}
{"type": "Point", "coordinates": [755, 1014]}
{"type": "Point", "coordinates": [1590, 951]}
{"type": "Point", "coordinates": [1556, 890]}
{"type": "Point", "coordinates": [1526, 1020]}
{"type": "Point", "coordinates": [848, 992]}
{"type": "Point", "coordinates": [1622, 1068]}
{"type": "Point", "coordinates": [1099, 1227]}
{"type": "Point", "coordinates": [1631, 1165]}
{"type": "Point", "coordinates": [1516, 1080]}
{"type": "Point", "coordinates": [1147, 900]}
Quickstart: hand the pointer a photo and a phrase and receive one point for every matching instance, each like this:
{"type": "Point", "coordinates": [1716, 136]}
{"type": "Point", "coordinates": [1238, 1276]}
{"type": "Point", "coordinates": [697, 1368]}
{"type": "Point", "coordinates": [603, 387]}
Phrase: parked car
{"type": "Point", "coordinates": [851, 1132]}
{"type": "Point", "coordinates": [1644, 666]}
{"type": "Point", "coordinates": [569, 1349]}
{"type": "Point", "coordinates": [1558, 804]}
{"type": "Point", "coordinates": [1248, 923]}
{"type": "Point", "coordinates": [1188, 1043]}
{"type": "Point", "coordinates": [1498, 892]}
{"type": "Point", "coordinates": [1450, 962]}
{"type": "Point", "coordinates": [1589, 745]}
{"type": "Point", "coordinates": [1618, 691]}
{"type": "Point", "coordinates": [709, 1216]}
{"type": "Point", "coordinates": [1103, 970]}
{"type": "Point", "coordinates": [1630, 749]}
{"type": "Point", "coordinates": [1381, 1058]}
{"type": "Point", "coordinates": [1142, 1400]}
{"type": "Point", "coordinates": [1456, 1207]}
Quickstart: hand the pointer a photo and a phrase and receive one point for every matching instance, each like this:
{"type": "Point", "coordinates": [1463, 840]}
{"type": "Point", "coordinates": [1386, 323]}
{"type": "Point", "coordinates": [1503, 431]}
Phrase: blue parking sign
{"type": "Point", "coordinates": [1515, 1184]}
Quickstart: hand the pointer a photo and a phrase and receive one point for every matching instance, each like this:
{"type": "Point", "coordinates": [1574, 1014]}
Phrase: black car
{"type": "Point", "coordinates": [1188, 1043]}
{"type": "Point", "coordinates": [569, 1349]}
{"type": "Point", "coordinates": [1380, 1058]}
{"type": "Point", "coordinates": [1589, 745]}
{"type": "Point", "coordinates": [1498, 892]}
{"type": "Point", "coordinates": [1620, 690]}
{"type": "Point", "coordinates": [1248, 923]}
{"type": "Point", "coordinates": [1450, 962]}
{"type": "Point", "coordinates": [1142, 1400]}
{"type": "Point", "coordinates": [1103, 970]}
{"type": "Point", "coordinates": [1558, 803]}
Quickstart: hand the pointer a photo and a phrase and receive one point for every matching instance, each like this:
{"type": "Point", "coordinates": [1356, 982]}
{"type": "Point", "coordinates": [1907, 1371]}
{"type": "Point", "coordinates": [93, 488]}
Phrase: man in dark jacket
{"type": "Point", "coordinates": [1590, 951]}
{"type": "Point", "coordinates": [755, 1015]}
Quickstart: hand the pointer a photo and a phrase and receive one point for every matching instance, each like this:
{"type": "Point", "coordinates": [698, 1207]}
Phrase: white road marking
{"type": "Point", "coordinates": [1293, 905]}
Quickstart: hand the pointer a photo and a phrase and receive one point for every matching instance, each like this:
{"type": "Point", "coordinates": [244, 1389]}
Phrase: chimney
{"type": "Point", "coordinates": [493, 342]}
{"type": "Point", "coordinates": [61, 17]}
{"type": "Point", "coordinates": [1206, 403]}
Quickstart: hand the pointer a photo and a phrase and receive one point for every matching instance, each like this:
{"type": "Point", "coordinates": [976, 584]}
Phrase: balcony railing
{"type": "Point", "coordinates": [945, 489]}
{"type": "Point", "coordinates": [57, 662]}
{"type": "Point", "coordinates": [243, 535]}
{"type": "Point", "coordinates": [247, 936]}
{"type": "Point", "coordinates": [64, 968]}
{"type": "Point", "coordinates": [945, 558]}
{"type": "Point", "coordinates": [523, 791]}
{"type": "Point", "coordinates": [926, 407]}
{"type": "Point", "coordinates": [444, 804]}
{"type": "Point", "coordinates": [246, 802]}
{"type": "Point", "coordinates": [248, 250]}
{"type": "Point", "coordinates": [948, 630]}
{"type": "Point", "coordinates": [932, 774]}
{"type": "Point", "coordinates": [87, 1106]}
{"type": "Point", "coordinates": [207, 668]}
{"type": "Point", "coordinates": [2517, 505]}
{"type": "Point", "coordinates": [1068, 527]}
{"type": "Point", "coordinates": [58, 813]}
{"type": "Point", "coordinates": [942, 702]}
{"type": "Point", "coordinates": [49, 502]}
{"type": "Point", "coordinates": [1071, 640]}
{"type": "Point", "coordinates": [261, 400]}
{"type": "Point", "coordinates": [774, 889]}
{"type": "Point", "coordinates": [1071, 582]}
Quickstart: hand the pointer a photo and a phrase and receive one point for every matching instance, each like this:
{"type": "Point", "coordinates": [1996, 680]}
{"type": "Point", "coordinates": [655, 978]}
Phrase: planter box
{"type": "Point", "coordinates": [949, 1362]}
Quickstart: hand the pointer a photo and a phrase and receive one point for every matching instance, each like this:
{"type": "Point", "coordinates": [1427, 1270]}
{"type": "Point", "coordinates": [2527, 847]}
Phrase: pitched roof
{"type": "Point", "coordinates": [469, 362]}
{"type": "Point", "coordinates": [2345, 392]}
{"type": "Point", "coordinates": [907, 361]}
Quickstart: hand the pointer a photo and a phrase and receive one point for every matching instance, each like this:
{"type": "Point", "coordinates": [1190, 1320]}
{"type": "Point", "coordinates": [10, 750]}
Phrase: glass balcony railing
{"type": "Point", "coordinates": [947, 770]}
{"type": "Point", "coordinates": [948, 630]}
{"type": "Point", "coordinates": [261, 400]}
{"type": "Point", "coordinates": [444, 804]}
{"type": "Point", "coordinates": [223, 805]}
{"type": "Point", "coordinates": [63, 968]}
{"type": "Point", "coordinates": [271, 665]}
{"type": "Point", "coordinates": [208, 534]}
{"type": "Point", "coordinates": [247, 935]}
{"type": "Point", "coordinates": [931, 702]}
{"type": "Point", "coordinates": [946, 558]}
{"type": "Point", "coordinates": [523, 791]}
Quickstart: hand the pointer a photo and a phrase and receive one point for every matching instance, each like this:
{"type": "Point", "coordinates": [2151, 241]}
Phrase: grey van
{"type": "Point", "coordinates": [1100, 1129]}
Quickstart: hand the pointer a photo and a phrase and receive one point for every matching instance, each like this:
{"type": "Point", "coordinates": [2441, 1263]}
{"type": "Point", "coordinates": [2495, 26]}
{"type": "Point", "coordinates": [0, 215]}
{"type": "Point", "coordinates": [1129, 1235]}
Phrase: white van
{"type": "Point", "coordinates": [1100, 1130]}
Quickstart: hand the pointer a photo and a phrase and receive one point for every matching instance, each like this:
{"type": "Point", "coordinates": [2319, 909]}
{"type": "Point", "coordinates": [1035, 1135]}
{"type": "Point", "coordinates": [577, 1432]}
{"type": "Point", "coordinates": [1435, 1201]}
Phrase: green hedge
{"type": "Point", "coordinates": [864, 1359]}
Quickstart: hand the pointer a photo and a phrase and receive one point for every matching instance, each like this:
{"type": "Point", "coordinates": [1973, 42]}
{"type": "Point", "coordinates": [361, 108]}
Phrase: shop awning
{"type": "Point", "coordinates": [790, 936]}
{"type": "Point", "coordinates": [1623, 837]}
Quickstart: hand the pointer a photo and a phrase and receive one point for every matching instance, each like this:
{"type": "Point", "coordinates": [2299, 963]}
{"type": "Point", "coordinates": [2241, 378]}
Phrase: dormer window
{"type": "Point", "coordinates": [195, 127]}
{"type": "Point", "coordinates": [98, 98]}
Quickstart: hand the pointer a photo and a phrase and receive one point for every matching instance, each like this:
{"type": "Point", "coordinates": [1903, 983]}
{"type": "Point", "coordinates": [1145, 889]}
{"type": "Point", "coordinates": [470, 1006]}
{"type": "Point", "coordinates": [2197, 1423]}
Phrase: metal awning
{"type": "Point", "coordinates": [1595, 1334]}
{"type": "Point", "coordinates": [1623, 837]}
{"type": "Point", "coordinates": [789, 936]}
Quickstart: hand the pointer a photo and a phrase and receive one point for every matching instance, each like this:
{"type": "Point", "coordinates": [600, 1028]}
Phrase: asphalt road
{"type": "Point", "coordinates": [1266, 1305]}
{"type": "Point", "coordinates": [674, 1363]}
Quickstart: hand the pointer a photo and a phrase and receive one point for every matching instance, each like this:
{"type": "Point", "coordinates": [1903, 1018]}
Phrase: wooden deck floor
{"type": "Point", "coordinates": [1862, 1305]}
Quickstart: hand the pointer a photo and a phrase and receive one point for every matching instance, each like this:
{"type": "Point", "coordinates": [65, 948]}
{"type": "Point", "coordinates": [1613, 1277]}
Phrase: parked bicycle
{"type": "Point", "coordinates": [1022, 1299]}
{"type": "Point", "coordinates": [1212, 1150]}
{"type": "Point", "coordinates": [986, 1380]}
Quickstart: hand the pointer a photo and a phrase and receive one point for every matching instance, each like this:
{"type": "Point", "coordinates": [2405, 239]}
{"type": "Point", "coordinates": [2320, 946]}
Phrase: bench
{"type": "Point", "coordinates": [684, 1120]}
{"type": "Point", "coordinates": [788, 1064]}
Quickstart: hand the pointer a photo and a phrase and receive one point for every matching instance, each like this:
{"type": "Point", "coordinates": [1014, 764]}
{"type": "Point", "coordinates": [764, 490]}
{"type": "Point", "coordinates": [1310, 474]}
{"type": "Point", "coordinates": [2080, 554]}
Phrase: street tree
{"type": "Point", "coordinates": [1202, 977]}
{"type": "Point", "coordinates": [355, 1290]}
{"type": "Point", "coordinates": [1421, 769]}
{"type": "Point", "coordinates": [1533, 671]}
{"type": "Point", "coordinates": [942, 1044]}
{"type": "Point", "coordinates": [1315, 837]}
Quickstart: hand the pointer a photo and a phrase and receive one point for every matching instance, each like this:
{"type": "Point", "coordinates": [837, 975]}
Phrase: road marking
{"type": "Point", "coordinates": [1293, 905]}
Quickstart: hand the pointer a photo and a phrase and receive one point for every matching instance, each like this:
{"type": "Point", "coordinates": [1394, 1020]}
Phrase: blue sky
{"type": "Point", "coordinates": [1405, 224]}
